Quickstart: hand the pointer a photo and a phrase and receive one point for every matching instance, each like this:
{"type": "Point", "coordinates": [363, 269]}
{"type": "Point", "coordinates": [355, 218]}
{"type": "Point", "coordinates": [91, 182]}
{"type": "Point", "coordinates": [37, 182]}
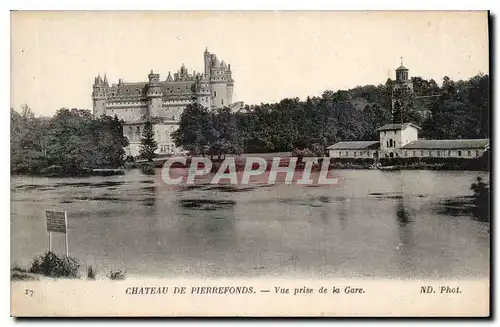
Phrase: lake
{"type": "Point", "coordinates": [383, 224]}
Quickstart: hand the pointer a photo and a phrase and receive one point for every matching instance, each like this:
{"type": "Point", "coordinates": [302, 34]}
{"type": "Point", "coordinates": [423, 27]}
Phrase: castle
{"type": "Point", "coordinates": [163, 100]}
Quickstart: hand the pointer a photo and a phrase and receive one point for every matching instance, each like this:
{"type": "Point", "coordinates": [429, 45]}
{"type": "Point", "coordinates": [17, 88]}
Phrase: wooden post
{"type": "Point", "coordinates": [66, 223]}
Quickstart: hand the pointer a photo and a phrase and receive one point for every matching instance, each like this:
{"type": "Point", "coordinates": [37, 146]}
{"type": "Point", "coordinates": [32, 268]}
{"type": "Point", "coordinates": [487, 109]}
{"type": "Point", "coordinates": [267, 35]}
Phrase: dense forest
{"type": "Point", "coordinates": [458, 110]}
{"type": "Point", "coordinates": [70, 142]}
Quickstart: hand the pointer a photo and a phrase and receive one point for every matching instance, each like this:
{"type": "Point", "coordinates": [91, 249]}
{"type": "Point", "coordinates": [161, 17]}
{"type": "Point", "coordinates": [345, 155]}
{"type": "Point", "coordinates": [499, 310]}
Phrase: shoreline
{"type": "Point", "coordinates": [398, 163]}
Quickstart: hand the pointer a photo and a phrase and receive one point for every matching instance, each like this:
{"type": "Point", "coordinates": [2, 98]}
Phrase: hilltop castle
{"type": "Point", "coordinates": [163, 100]}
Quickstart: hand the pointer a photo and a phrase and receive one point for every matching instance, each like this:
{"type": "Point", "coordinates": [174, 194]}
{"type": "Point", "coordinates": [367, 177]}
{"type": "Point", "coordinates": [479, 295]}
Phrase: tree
{"type": "Point", "coordinates": [148, 142]}
{"type": "Point", "coordinates": [462, 110]}
{"type": "Point", "coordinates": [223, 138]}
{"type": "Point", "coordinates": [404, 111]}
{"type": "Point", "coordinates": [375, 116]}
{"type": "Point", "coordinates": [28, 141]}
{"type": "Point", "coordinates": [422, 87]}
{"type": "Point", "coordinates": [195, 129]}
{"type": "Point", "coordinates": [70, 143]}
{"type": "Point", "coordinates": [73, 141]}
{"type": "Point", "coordinates": [108, 142]}
{"type": "Point", "coordinates": [481, 198]}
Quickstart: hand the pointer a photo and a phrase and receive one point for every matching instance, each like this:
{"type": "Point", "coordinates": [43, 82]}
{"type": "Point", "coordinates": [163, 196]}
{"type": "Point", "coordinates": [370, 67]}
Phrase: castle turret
{"type": "Point", "coordinates": [99, 96]}
{"type": "Point", "coordinates": [230, 85]}
{"type": "Point", "coordinates": [183, 73]}
{"type": "Point", "coordinates": [402, 73]}
{"type": "Point", "coordinates": [208, 63]}
{"type": "Point", "coordinates": [169, 77]}
{"type": "Point", "coordinates": [154, 94]}
{"type": "Point", "coordinates": [221, 81]}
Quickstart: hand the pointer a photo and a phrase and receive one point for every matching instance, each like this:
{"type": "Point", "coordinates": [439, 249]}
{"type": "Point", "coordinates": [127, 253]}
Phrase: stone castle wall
{"type": "Point", "coordinates": [164, 99]}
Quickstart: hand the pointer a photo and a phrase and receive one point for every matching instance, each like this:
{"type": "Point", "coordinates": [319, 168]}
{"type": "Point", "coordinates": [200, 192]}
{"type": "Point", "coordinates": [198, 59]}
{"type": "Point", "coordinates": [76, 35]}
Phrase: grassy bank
{"type": "Point", "coordinates": [50, 265]}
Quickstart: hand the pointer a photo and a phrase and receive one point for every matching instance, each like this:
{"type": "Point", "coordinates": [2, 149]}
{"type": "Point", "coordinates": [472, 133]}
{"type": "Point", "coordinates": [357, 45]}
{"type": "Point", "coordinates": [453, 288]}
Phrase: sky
{"type": "Point", "coordinates": [55, 56]}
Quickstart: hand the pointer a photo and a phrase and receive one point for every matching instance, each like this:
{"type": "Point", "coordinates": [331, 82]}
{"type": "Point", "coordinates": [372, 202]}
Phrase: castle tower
{"type": "Point", "coordinates": [402, 90]}
{"type": "Point", "coordinates": [208, 63]}
{"type": "Point", "coordinates": [154, 94]}
{"type": "Point", "coordinates": [219, 79]}
{"type": "Point", "coordinates": [402, 73]}
{"type": "Point", "coordinates": [169, 77]}
{"type": "Point", "coordinates": [230, 85]}
{"type": "Point", "coordinates": [99, 96]}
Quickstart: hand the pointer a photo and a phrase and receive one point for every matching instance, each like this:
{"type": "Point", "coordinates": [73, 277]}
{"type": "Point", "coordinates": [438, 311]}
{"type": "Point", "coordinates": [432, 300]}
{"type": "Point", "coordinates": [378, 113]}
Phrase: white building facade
{"type": "Point", "coordinates": [395, 136]}
{"type": "Point", "coordinates": [401, 141]}
{"type": "Point", "coordinates": [360, 149]}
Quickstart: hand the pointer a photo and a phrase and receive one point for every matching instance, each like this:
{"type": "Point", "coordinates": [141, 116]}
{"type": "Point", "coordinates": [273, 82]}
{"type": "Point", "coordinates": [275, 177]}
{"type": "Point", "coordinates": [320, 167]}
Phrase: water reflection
{"type": "Point", "coordinates": [343, 210]}
{"type": "Point", "coordinates": [405, 248]}
{"type": "Point", "coordinates": [208, 222]}
{"type": "Point", "coordinates": [376, 224]}
{"type": "Point", "coordinates": [149, 195]}
{"type": "Point", "coordinates": [404, 214]}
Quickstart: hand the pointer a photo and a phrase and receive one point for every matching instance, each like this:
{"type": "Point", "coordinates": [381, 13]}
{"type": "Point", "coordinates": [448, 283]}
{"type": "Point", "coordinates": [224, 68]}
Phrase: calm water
{"type": "Point", "coordinates": [374, 224]}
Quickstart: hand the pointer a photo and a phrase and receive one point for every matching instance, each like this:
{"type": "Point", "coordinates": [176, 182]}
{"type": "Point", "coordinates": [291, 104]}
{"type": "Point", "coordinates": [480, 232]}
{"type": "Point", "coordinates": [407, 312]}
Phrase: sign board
{"type": "Point", "coordinates": [56, 221]}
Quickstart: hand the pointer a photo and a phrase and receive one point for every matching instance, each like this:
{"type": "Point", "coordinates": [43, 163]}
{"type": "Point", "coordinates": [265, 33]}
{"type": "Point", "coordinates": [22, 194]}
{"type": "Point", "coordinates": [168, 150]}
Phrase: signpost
{"type": "Point", "coordinates": [57, 222]}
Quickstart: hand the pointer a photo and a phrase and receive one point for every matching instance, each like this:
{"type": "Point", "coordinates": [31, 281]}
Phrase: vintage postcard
{"type": "Point", "coordinates": [244, 163]}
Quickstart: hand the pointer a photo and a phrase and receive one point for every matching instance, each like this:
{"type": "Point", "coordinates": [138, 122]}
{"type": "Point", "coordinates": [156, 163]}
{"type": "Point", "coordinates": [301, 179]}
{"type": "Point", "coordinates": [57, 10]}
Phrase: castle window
{"type": "Point", "coordinates": [439, 153]}
{"type": "Point", "coordinates": [421, 153]}
{"type": "Point", "coordinates": [459, 153]}
{"type": "Point", "coordinates": [347, 153]}
{"type": "Point", "coordinates": [354, 153]}
{"type": "Point", "coordinates": [430, 153]}
{"type": "Point", "coordinates": [477, 153]}
{"type": "Point", "coordinates": [406, 153]}
{"type": "Point", "coordinates": [222, 101]}
{"type": "Point", "coordinates": [215, 93]}
{"type": "Point", "coordinates": [414, 154]}
{"type": "Point", "coordinates": [468, 153]}
{"type": "Point", "coordinates": [449, 153]}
